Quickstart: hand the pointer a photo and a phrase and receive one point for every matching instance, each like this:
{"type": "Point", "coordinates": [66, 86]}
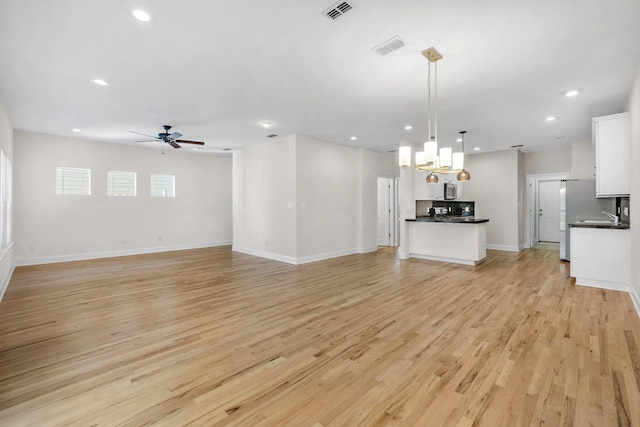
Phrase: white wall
{"type": "Point", "coordinates": [583, 160]}
{"type": "Point", "coordinates": [634, 199]}
{"type": "Point", "coordinates": [494, 188]}
{"type": "Point", "coordinates": [6, 143]}
{"type": "Point", "coordinates": [550, 161]}
{"type": "Point", "coordinates": [522, 196]}
{"type": "Point", "coordinates": [327, 178]}
{"type": "Point", "coordinates": [299, 199]}
{"type": "Point", "coordinates": [264, 199]}
{"type": "Point", "coordinates": [50, 227]}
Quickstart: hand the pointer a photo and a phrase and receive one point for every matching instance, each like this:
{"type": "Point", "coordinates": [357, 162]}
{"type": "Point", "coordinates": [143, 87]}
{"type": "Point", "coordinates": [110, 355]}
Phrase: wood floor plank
{"type": "Point", "coordinates": [213, 337]}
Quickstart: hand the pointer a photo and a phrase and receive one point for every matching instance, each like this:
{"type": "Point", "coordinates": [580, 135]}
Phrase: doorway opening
{"type": "Point", "coordinates": [542, 222]}
{"type": "Point", "coordinates": [388, 221]}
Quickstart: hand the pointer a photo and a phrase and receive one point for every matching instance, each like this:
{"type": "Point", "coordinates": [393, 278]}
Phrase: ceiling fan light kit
{"type": "Point", "coordinates": [444, 162]}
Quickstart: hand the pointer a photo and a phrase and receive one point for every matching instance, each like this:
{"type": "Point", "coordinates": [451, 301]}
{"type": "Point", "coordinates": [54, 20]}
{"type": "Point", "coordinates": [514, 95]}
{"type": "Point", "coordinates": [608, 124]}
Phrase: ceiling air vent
{"type": "Point", "coordinates": [273, 135]}
{"type": "Point", "coordinates": [517, 146]}
{"type": "Point", "coordinates": [389, 46]}
{"type": "Point", "coordinates": [338, 9]}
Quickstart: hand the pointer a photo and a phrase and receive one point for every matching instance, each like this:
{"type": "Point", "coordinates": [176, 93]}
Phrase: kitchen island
{"type": "Point", "coordinates": [460, 240]}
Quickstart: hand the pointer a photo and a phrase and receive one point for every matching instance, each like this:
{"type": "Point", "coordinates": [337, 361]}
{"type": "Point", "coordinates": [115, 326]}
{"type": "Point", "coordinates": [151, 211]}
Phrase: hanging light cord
{"type": "Point", "coordinates": [435, 103]}
{"type": "Point", "coordinates": [429, 101]}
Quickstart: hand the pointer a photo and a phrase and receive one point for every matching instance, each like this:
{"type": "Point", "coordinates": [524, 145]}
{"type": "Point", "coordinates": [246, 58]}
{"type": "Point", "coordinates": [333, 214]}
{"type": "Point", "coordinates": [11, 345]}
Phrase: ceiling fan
{"type": "Point", "coordinates": [169, 138]}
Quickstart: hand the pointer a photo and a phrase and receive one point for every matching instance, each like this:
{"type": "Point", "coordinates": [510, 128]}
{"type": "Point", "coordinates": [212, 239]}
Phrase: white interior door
{"type": "Point", "coordinates": [549, 211]}
{"type": "Point", "coordinates": [384, 211]}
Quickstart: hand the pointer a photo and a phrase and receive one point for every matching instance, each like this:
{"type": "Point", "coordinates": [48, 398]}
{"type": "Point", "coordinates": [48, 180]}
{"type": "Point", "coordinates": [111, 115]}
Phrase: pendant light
{"type": "Point", "coordinates": [432, 178]}
{"type": "Point", "coordinates": [404, 156]}
{"type": "Point", "coordinates": [463, 175]}
{"type": "Point", "coordinates": [430, 159]}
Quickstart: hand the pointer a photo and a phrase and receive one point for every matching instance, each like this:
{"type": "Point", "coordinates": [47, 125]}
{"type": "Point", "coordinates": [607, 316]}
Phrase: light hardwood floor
{"type": "Point", "coordinates": [210, 337]}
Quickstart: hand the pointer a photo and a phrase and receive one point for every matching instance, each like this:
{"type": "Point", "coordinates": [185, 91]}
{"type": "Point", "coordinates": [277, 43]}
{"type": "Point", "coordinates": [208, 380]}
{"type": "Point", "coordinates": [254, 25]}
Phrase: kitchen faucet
{"type": "Point", "coordinates": [615, 218]}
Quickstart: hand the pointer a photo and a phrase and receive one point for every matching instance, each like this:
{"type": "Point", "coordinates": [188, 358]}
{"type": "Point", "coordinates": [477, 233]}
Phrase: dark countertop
{"type": "Point", "coordinates": [611, 225]}
{"type": "Point", "coordinates": [450, 219]}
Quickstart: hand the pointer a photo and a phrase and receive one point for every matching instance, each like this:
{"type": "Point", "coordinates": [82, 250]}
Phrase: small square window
{"type": "Point", "coordinates": [163, 186]}
{"type": "Point", "coordinates": [73, 181]}
{"type": "Point", "coordinates": [121, 184]}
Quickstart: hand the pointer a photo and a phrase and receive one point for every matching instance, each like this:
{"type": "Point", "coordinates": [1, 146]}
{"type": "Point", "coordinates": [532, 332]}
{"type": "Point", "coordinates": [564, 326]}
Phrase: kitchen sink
{"type": "Point", "coordinates": [595, 221]}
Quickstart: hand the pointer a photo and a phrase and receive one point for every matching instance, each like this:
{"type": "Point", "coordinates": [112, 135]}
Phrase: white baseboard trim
{"type": "Point", "coordinates": [504, 248]}
{"type": "Point", "coordinates": [293, 260]}
{"type": "Point", "coordinates": [111, 254]}
{"type": "Point", "coordinates": [367, 250]}
{"type": "Point", "coordinates": [603, 284]}
{"type": "Point", "coordinates": [5, 282]}
{"type": "Point", "coordinates": [262, 254]}
{"type": "Point", "coordinates": [613, 286]}
{"type": "Point", "coordinates": [445, 259]}
{"type": "Point", "coordinates": [328, 255]}
{"type": "Point", "coordinates": [635, 298]}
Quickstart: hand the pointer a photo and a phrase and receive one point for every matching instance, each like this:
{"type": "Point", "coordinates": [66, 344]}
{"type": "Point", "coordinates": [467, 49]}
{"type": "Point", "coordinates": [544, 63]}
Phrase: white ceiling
{"type": "Point", "coordinates": [216, 69]}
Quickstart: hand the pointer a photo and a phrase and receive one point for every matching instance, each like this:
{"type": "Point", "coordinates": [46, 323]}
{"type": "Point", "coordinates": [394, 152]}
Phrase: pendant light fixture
{"type": "Point", "coordinates": [463, 175]}
{"type": "Point", "coordinates": [429, 160]}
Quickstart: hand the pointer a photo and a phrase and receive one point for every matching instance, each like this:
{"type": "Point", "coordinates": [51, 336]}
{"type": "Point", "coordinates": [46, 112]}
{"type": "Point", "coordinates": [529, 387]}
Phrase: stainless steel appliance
{"type": "Point", "coordinates": [450, 191]}
{"type": "Point", "coordinates": [578, 201]}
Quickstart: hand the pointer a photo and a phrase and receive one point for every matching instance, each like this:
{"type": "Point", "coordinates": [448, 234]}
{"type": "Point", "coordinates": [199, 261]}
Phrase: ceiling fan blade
{"type": "Point", "coordinates": [175, 135]}
{"type": "Point", "coordinates": [184, 141]}
{"type": "Point", "coordinates": [144, 134]}
{"type": "Point", "coordinates": [173, 144]}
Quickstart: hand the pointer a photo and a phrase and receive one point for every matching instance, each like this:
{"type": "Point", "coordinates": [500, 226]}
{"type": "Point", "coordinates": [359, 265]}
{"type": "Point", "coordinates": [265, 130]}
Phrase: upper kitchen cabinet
{"type": "Point", "coordinates": [612, 144]}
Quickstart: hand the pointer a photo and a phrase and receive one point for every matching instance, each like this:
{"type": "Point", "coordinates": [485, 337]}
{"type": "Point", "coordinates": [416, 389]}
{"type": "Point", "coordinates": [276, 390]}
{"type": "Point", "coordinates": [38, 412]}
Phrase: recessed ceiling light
{"type": "Point", "coordinates": [195, 148]}
{"type": "Point", "coordinates": [101, 82]}
{"type": "Point", "coordinates": [141, 15]}
{"type": "Point", "coordinates": [476, 149]}
{"type": "Point", "coordinates": [571, 93]}
{"type": "Point", "coordinates": [459, 140]}
{"type": "Point", "coordinates": [353, 138]}
{"type": "Point", "coordinates": [550, 118]}
{"type": "Point", "coordinates": [76, 130]}
{"type": "Point", "coordinates": [408, 127]}
{"type": "Point", "coordinates": [266, 125]}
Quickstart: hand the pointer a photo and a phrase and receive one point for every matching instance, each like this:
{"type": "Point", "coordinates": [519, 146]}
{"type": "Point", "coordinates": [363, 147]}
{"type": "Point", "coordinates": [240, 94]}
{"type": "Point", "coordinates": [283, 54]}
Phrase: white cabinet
{"type": "Point", "coordinates": [424, 191]}
{"type": "Point", "coordinates": [601, 257]}
{"type": "Point", "coordinates": [612, 144]}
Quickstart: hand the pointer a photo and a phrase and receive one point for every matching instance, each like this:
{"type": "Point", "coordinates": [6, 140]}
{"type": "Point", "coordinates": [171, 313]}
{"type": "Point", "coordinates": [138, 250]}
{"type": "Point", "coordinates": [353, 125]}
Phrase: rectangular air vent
{"type": "Point", "coordinates": [273, 135]}
{"type": "Point", "coordinates": [338, 9]}
{"type": "Point", "coordinates": [389, 46]}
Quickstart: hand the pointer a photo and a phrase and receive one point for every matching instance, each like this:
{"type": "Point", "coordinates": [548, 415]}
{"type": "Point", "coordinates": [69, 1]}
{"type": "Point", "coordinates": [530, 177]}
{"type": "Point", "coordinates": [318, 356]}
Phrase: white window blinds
{"type": "Point", "coordinates": [73, 181]}
{"type": "Point", "coordinates": [121, 183]}
{"type": "Point", "coordinates": [163, 186]}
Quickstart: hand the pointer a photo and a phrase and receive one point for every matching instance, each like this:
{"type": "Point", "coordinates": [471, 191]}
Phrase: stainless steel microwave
{"type": "Point", "coordinates": [450, 191]}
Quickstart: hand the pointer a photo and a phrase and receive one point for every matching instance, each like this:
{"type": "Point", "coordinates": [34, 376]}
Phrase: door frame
{"type": "Point", "coordinates": [531, 208]}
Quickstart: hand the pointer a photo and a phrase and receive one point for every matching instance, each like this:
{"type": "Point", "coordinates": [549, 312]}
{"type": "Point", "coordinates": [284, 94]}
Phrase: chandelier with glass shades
{"type": "Point", "coordinates": [429, 160]}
